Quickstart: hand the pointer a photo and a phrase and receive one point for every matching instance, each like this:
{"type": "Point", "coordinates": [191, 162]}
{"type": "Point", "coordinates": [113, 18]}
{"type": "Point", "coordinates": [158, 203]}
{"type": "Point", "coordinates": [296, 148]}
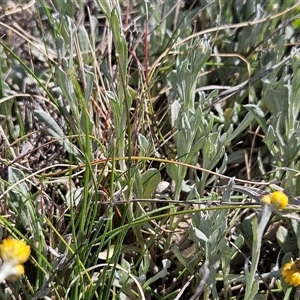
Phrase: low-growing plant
{"type": "Point", "coordinates": [149, 149]}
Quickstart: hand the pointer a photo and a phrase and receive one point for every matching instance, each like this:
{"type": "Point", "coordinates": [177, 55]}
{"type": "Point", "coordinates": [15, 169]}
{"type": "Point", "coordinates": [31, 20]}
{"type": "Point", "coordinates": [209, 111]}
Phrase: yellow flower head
{"type": "Point", "coordinates": [14, 251]}
{"type": "Point", "coordinates": [291, 272]}
{"type": "Point", "coordinates": [276, 198]}
{"type": "Point", "coordinates": [266, 200]}
{"type": "Point", "coordinates": [12, 272]}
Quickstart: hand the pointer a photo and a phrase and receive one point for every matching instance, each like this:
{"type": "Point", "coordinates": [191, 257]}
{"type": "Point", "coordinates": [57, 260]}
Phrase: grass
{"type": "Point", "coordinates": [137, 140]}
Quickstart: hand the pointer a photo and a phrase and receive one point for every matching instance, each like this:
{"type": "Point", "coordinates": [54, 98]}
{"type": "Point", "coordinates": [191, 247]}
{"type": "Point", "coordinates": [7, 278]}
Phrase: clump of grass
{"type": "Point", "coordinates": [137, 141]}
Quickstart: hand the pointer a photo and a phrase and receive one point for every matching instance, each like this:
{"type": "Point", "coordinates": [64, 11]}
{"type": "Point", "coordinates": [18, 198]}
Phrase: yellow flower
{"type": "Point", "coordinates": [266, 199]}
{"type": "Point", "coordinates": [276, 198]}
{"type": "Point", "coordinates": [14, 254]}
{"type": "Point", "coordinates": [14, 250]}
{"type": "Point", "coordinates": [280, 199]}
{"type": "Point", "coordinates": [11, 272]}
{"type": "Point", "coordinates": [291, 272]}
{"type": "Point", "coordinates": [18, 271]}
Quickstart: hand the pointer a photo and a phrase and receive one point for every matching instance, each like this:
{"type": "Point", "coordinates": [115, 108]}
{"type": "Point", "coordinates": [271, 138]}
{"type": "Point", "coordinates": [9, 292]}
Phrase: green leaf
{"type": "Point", "coordinates": [240, 128]}
{"type": "Point", "coordinates": [239, 242]}
{"type": "Point", "coordinates": [161, 274]}
{"type": "Point", "coordinates": [19, 200]}
{"type": "Point", "coordinates": [54, 130]}
{"type": "Point", "coordinates": [270, 137]}
{"type": "Point", "coordinates": [67, 87]}
{"type": "Point", "coordinates": [144, 144]}
{"type": "Point", "coordinates": [197, 235]}
{"type": "Point", "coordinates": [172, 171]}
{"type": "Point", "coordinates": [138, 185]}
{"type": "Point", "coordinates": [184, 261]}
{"type": "Point", "coordinates": [21, 190]}
{"type": "Point", "coordinates": [150, 180]}
{"type": "Point", "coordinates": [258, 114]}
{"type": "Point", "coordinates": [194, 150]}
{"type": "Point", "coordinates": [83, 40]}
{"type": "Point", "coordinates": [89, 83]}
{"type": "Point", "coordinates": [284, 240]}
{"type": "Point", "coordinates": [174, 111]}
